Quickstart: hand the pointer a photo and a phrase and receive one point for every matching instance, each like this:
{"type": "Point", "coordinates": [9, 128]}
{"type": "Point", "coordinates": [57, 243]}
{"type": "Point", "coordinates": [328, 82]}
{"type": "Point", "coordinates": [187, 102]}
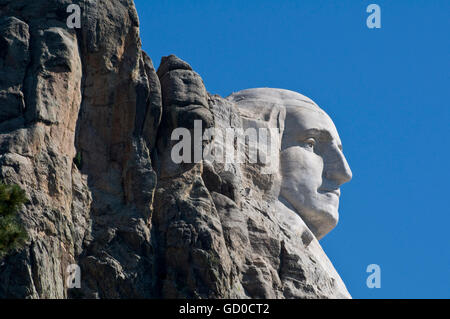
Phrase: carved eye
{"type": "Point", "coordinates": [310, 143]}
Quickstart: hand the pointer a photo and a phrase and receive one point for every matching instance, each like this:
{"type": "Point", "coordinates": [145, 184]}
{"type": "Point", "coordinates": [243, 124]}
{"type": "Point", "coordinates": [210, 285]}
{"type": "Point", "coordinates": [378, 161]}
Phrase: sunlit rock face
{"type": "Point", "coordinates": [312, 165]}
{"type": "Point", "coordinates": [138, 224]}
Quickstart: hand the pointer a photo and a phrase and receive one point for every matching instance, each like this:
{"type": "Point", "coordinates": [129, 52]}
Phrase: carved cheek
{"type": "Point", "coordinates": [302, 167]}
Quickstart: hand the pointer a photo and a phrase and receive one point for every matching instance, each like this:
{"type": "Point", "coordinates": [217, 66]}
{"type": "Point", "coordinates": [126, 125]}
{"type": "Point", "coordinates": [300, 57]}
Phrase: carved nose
{"type": "Point", "coordinates": [337, 169]}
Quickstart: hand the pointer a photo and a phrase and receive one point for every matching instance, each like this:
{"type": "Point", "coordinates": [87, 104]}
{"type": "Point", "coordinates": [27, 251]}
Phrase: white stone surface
{"type": "Point", "coordinates": [312, 164]}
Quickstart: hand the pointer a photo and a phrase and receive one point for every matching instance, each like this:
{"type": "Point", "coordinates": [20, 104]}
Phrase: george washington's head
{"type": "Point", "coordinates": [312, 165]}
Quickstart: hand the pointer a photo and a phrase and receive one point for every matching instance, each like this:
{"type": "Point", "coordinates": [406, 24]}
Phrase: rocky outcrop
{"type": "Point", "coordinates": [138, 225]}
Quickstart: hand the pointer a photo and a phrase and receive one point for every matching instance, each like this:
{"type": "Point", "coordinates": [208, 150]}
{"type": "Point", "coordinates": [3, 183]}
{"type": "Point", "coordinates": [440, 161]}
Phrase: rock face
{"type": "Point", "coordinates": [137, 224]}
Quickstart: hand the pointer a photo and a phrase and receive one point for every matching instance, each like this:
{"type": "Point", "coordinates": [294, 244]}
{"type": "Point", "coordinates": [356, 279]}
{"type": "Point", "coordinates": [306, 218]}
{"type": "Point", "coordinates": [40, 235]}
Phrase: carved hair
{"type": "Point", "coordinates": [267, 107]}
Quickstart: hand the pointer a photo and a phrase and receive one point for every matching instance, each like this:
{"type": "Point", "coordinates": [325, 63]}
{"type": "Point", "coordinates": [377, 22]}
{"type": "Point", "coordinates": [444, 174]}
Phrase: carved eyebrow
{"type": "Point", "coordinates": [324, 134]}
{"type": "Point", "coordinates": [321, 134]}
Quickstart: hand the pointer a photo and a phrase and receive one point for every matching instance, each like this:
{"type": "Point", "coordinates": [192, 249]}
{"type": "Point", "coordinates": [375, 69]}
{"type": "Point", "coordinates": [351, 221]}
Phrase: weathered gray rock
{"type": "Point", "coordinates": [14, 58]}
{"type": "Point", "coordinates": [138, 224]}
{"type": "Point", "coordinates": [90, 92]}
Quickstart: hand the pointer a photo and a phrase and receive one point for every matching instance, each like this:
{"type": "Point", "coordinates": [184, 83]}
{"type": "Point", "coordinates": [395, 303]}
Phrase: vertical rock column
{"type": "Point", "coordinates": [192, 258]}
{"type": "Point", "coordinates": [89, 93]}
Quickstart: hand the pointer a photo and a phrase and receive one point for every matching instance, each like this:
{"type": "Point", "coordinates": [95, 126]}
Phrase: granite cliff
{"type": "Point", "coordinates": [138, 225]}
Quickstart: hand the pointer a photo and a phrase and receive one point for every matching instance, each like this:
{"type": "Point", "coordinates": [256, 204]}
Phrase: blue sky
{"type": "Point", "coordinates": [388, 92]}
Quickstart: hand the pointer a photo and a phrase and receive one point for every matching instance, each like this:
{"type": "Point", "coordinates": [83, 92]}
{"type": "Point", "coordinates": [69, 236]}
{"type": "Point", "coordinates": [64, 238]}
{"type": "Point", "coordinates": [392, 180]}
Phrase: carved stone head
{"type": "Point", "coordinates": [312, 166]}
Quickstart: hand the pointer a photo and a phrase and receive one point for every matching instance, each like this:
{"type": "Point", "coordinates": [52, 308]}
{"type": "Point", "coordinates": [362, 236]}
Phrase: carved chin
{"type": "Point", "coordinates": [330, 221]}
{"type": "Point", "coordinates": [321, 221]}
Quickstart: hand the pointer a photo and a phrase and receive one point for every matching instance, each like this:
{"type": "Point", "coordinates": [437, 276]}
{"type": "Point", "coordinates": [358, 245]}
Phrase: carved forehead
{"type": "Point", "coordinates": [290, 111]}
{"type": "Point", "coordinates": [263, 98]}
